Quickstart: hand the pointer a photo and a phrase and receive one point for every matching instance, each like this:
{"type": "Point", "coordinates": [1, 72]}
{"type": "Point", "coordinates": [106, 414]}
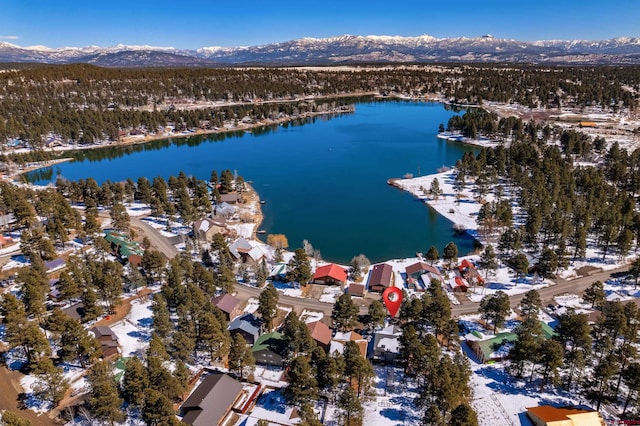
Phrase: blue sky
{"type": "Point", "coordinates": [192, 24]}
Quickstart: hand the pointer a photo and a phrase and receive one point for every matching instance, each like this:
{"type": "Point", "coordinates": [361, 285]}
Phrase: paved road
{"type": "Point", "coordinates": [561, 286]}
{"type": "Point", "coordinates": [297, 303]}
{"type": "Point", "coordinates": [157, 240]}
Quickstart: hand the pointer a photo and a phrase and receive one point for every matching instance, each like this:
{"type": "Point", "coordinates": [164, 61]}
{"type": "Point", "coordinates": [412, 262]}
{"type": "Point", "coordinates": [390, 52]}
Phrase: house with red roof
{"type": "Point", "coordinates": [330, 274]}
{"type": "Point", "coordinates": [468, 271]}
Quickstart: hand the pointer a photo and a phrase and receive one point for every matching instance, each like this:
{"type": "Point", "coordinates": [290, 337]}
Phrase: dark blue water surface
{"type": "Point", "coordinates": [325, 181]}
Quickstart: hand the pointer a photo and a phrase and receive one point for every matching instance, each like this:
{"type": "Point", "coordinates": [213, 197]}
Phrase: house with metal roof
{"type": "Point", "coordinates": [223, 209]}
{"type": "Point", "coordinates": [124, 247]}
{"type": "Point", "coordinates": [108, 341]}
{"type": "Point", "coordinates": [330, 274]}
{"type": "Point", "coordinates": [270, 349]}
{"type": "Point", "coordinates": [547, 415]}
{"type": "Point", "coordinates": [381, 277]}
{"type": "Point", "coordinates": [227, 304]}
{"type": "Point", "coordinates": [212, 401]}
{"type": "Point", "coordinates": [321, 333]}
{"type": "Point", "coordinates": [247, 325]}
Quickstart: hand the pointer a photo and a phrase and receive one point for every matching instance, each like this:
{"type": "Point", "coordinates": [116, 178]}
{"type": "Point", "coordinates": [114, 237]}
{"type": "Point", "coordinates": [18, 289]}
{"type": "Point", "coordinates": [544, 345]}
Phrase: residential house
{"type": "Point", "coordinates": [458, 284]}
{"type": "Point", "coordinates": [248, 253]}
{"type": "Point", "coordinates": [124, 247]}
{"type": "Point", "coordinates": [330, 274]}
{"type": "Point", "coordinates": [212, 401]}
{"type": "Point", "coordinates": [108, 341]}
{"type": "Point", "coordinates": [546, 415]}
{"type": "Point", "coordinates": [230, 198]}
{"type": "Point", "coordinates": [496, 347]}
{"type": "Point", "coordinates": [75, 311]}
{"type": "Point", "coordinates": [227, 304]}
{"type": "Point", "coordinates": [381, 277]}
{"type": "Point", "coordinates": [224, 210]}
{"type": "Point", "coordinates": [247, 325]}
{"type": "Point", "coordinates": [386, 344]}
{"type": "Point", "coordinates": [340, 339]}
{"type": "Point", "coordinates": [269, 349]}
{"type": "Point", "coordinates": [321, 333]}
{"type": "Point", "coordinates": [469, 272]}
{"type": "Point", "coordinates": [204, 229]}
{"type": "Point", "coordinates": [419, 269]}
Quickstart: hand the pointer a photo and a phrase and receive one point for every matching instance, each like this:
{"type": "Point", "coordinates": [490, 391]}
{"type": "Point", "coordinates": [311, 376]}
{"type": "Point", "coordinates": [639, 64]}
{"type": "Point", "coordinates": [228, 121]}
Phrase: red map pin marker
{"type": "Point", "coordinates": [392, 298]}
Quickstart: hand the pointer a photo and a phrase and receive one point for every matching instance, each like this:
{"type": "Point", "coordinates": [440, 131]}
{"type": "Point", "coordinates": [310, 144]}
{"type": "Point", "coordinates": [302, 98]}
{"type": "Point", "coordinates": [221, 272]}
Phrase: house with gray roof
{"type": "Point", "coordinates": [225, 210]}
{"type": "Point", "coordinates": [247, 325]}
{"type": "Point", "coordinates": [386, 344]}
{"type": "Point", "coordinates": [212, 401]}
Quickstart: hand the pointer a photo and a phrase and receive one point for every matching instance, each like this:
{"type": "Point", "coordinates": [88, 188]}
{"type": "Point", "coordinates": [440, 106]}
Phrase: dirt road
{"type": "Point", "coordinates": [9, 390]}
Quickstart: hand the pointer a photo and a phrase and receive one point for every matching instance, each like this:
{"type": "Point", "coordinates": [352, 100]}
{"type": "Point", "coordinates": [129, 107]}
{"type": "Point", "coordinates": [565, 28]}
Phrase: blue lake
{"type": "Point", "coordinates": [324, 181]}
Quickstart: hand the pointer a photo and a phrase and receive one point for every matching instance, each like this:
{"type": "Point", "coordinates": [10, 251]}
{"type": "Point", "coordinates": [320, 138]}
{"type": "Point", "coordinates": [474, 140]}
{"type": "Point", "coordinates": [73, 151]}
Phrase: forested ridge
{"type": "Point", "coordinates": [84, 103]}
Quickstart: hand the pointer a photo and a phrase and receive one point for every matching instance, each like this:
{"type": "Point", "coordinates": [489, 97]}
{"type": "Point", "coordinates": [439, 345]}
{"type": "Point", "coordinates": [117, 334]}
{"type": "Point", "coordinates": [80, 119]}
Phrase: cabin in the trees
{"type": "Point", "coordinates": [248, 326]}
{"type": "Point", "coordinates": [494, 348]}
{"type": "Point", "coordinates": [381, 277]}
{"type": "Point", "coordinates": [124, 247]}
{"type": "Point", "coordinates": [330, 274]}
{"type": "Point", "coordinates": [204, 229]}
{"type": "Point", "coordinates": [269, 349]}
{"type": "Point", "coordinates": [321, 333]}
{"type": "Point", "coordinates": [386, 344]}
{"type": "Point", "coordinates": [108, 341]}
{"type": "Point", "coordinates": [75, 311]}
{"type": "Point", "coordinates": [227, 304]}
{"type": "Point", "coordinates": [547, 415]}
{"type": "Point", "coordinates": [212, 402]}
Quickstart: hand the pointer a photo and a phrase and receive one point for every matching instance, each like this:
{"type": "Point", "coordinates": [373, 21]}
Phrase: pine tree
{"type": "Point", "coordinates": [158, 410]}
{"type": "Point", "coordinates": [594, 294]}
{"type": "Point", "coordinates": [463, 415]}
{"type": "Point", "coordinates": [240, 355]}
{"type": "Point", "coordinates": [495, 308]}
{"type": "Point", "coordinates": [51, 384]}
{"type": "Point", "coordinates": [344, 313]}
{"type": "Point", "coordinates": [432, 255]}
{"type": "Point", "coordinates": [267, 305]}
{"type": "Point", "coordinates": [303, 386]}
{"type": "Point", "coordinates": [103, 400]}
{"type": "Point", "coordinates": [299, 268]}
{"type": "Point", "coordinates": [375, 315]}
{"type": "Point", "coordinates": [351, 407]}
{"type": "Point", "coordinates": [135, 381]}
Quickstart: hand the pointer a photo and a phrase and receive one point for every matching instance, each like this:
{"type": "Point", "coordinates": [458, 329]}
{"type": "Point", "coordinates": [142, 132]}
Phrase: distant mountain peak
{"type": "Point", "coordinates": [342, 49]}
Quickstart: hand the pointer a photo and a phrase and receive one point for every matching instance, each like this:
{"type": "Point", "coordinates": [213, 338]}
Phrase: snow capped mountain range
{"type": "Point", "coordinates": [343, 49]}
